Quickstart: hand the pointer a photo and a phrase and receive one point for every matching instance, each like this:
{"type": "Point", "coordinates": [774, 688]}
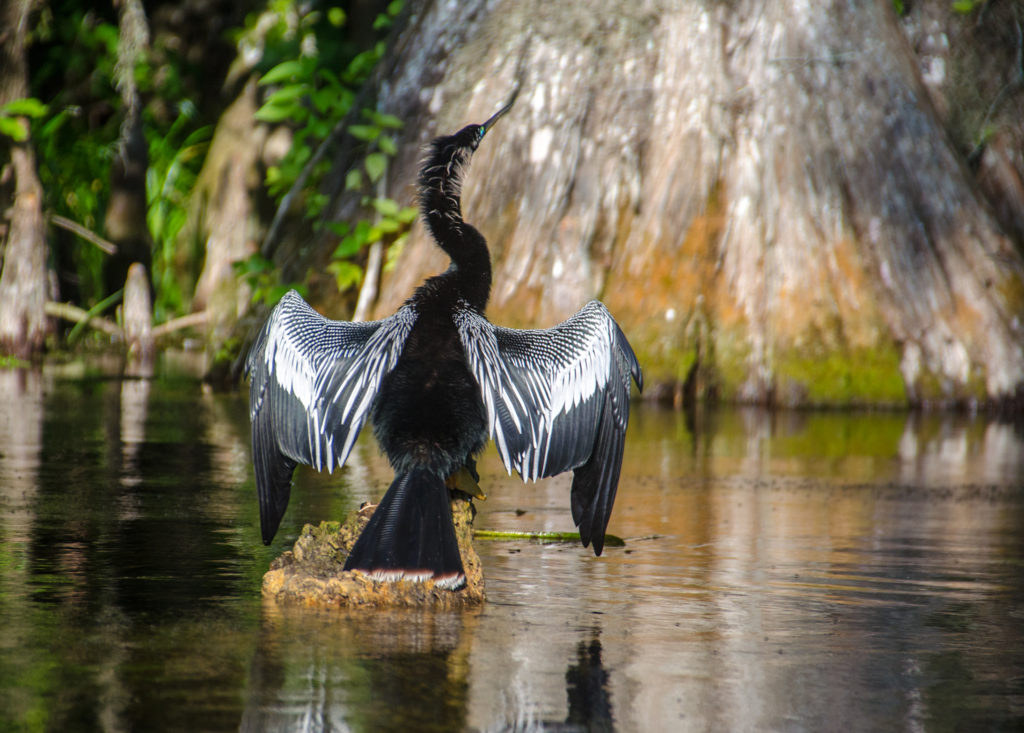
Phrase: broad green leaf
{"type": "Point", "coordinates": [323, 99]}
{"type": "Point", "coordinates": [387, 145]}
{"type": "Point", "coordinates": [14, 128]}
{"type": "Point", "coordinates": [283, 71]}
{"type": "Point", "coordinates": [375, 164]}
{"type": "Point", "coordinates": [276, 113]}
{"type": "Point", "coordinates": [340, 228]}
{"type": "Point", "coordinates": [346, 274]}
{"type": "Point", "coordinates": [364, 132]}
{"type": "Point", "coordinates": [386, 207]}
{"type": "Point", "coordinates": [408, 214]}
{"type": "Point", "coordinates": [27, 107]}
{"type": "Point", "coordinates": [390, 121]}
{"type": "Point", "coordinates": [287, 94]}
{"type": "Point", "coordinates": [353, 179]}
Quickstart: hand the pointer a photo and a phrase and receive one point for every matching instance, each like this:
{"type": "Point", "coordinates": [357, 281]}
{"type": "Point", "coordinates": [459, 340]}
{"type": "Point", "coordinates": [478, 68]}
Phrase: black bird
{"type": "Point", "coordinates": [437, 379]}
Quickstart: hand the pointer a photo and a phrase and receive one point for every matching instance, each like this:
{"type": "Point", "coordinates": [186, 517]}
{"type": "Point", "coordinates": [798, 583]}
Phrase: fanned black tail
{"type": "Point", "coordinates": [411, 534]}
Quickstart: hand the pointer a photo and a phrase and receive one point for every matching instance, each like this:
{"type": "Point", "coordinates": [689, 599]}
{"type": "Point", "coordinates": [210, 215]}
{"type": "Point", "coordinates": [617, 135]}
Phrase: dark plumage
{"type": "Point", "coordinates": [437, 379]}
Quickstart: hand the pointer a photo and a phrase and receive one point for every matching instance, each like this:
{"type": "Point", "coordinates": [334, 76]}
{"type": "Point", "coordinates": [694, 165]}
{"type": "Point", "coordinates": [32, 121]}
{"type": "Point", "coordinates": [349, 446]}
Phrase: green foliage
{"type": "Point", "coordinates": [76, 137]}
{"type": "Point", "coordinates": [391, 225]}
{"type": "Point", "coordinates": [264, 280]}
{"type": "Point", "coordinates": [76, 141]}
{"type": "Point", "coordinates": [174, 160]}
{"type": "Point", "coordinates": [310, 71]}
{"type": "Point", "coordinates": [307, 94]}
{"type": "Point", "coordinates": [12, 117]}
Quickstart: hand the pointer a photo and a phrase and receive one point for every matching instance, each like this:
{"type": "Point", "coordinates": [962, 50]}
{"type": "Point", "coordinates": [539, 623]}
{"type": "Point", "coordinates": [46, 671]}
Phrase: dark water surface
{"type": "Point", "coordinates": [782, 572]}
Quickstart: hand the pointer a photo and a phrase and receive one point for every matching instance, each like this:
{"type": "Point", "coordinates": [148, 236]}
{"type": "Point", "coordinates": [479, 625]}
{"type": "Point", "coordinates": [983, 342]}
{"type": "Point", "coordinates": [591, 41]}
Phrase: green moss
{"type": "Point", "coordinates": [860, 376]}
{"type": "Point", "coordinates": [730, 362]}
{"type": "Point", "coordinates": [668, 351]}
{"type": "Point", "coordinates": [811, 376]}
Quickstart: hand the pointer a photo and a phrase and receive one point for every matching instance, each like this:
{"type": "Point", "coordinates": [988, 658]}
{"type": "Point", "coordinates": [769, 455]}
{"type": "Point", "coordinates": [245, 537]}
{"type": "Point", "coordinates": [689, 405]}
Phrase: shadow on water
{"type": "Point", "coordinates": [782, 571]}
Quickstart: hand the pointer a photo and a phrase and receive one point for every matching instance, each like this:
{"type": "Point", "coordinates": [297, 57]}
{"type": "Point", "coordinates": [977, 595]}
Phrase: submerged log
{"type": "Point", "coordinates": [311, 574]}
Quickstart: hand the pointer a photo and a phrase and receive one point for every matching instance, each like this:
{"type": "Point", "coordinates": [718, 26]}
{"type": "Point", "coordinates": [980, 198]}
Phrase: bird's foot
{"type": "Point", "coordinates": [465, 480]}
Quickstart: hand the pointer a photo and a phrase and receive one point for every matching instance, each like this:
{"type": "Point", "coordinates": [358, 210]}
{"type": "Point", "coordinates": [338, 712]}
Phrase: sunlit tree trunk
{"type": "Point", "coordinates": [125, 220]}
{"type": "Point", "coordinates": [223, 214]}
{"type": "Point", "coordinates": [762, 193]}
{"type": "Point", "coordinates": [23, 282]}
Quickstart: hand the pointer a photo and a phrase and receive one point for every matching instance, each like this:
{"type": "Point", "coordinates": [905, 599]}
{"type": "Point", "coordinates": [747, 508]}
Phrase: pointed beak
{"type": "Point", "coordinates": [494, 118]}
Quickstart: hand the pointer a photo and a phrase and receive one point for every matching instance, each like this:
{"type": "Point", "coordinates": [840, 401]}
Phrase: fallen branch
{"type": "Point", "coordinates": [176, 324]}
{"type": "Point", "coordinates": [86, 234]}
{"type": "Point", "coordinates": [77, 315]}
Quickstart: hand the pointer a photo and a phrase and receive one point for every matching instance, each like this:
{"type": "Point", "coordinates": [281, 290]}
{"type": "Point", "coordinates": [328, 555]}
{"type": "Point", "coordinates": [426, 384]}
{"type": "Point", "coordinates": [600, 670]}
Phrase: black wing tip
{"type": "Point", "coordinates": [271, 516]}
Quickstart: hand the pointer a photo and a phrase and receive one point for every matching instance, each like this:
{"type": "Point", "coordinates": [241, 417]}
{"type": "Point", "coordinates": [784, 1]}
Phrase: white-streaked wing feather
{"type": "Point", "coordinates": [558, 400]}
{"type": "Point", "coordinates": [312, 384]}
{"type": "Point", "coordinates": [330, 369]}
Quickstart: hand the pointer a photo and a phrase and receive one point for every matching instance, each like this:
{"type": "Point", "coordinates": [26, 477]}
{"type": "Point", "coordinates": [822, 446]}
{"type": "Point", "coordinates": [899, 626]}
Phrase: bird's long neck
{"type": "Point", "coordinates": [440, 185]}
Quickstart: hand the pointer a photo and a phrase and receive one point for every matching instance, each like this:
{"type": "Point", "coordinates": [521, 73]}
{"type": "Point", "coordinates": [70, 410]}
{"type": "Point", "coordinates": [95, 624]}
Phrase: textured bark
{"type": "Point", "coordinates": [223, 213]}
{"type": "Point", "coordinates": [138, 323]}
{"type": "Point", "coordinates": [23, 283]}
{"type": "Point", "coordinates": [125, 219]}
{"type": "Point", "coordinates": [763, 194]}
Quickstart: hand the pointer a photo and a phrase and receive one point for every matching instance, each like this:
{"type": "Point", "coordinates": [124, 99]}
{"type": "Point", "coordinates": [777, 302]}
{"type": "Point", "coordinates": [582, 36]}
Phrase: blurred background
{"type": "Point", "coordinates": [781, 205]}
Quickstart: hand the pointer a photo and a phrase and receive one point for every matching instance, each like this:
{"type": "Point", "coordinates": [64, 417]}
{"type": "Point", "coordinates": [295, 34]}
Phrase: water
{"type": "Point", "coordinates": [782, 572]}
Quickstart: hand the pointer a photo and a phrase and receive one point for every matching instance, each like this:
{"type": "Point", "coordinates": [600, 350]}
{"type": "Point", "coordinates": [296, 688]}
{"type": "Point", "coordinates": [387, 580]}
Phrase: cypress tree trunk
{"type": "Point", "coordinates": [763, 194]}
{"type": "Point", "coordinates": [223, 214]}
{"type": "Point", "coordinates": [125, 220]}
{"type": "Point", "coordinates": [23, 283]}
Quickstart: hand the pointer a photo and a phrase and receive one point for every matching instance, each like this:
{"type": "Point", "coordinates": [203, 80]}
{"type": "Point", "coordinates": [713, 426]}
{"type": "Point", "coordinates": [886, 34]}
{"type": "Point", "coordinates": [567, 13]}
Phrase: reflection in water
{"type": "Point", "coordinates": [21, 426]}
{"type": "Point", "coordinates": [810, 571]}
{"type": "Point", "coordinates": [796, 570]}
{"type": "Point", "coordinates": [590, 708]}
{"type": "Point", "coordinates": [383, 670]}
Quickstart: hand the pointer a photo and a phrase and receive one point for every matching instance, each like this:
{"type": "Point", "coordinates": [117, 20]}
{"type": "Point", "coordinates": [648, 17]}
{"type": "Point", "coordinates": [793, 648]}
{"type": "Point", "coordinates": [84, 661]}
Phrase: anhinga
{"type": "Point", "coordinates": [437, 379]}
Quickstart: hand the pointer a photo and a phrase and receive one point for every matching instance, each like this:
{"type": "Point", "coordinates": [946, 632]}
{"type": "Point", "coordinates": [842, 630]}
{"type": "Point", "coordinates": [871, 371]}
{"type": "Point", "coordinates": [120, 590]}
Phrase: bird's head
{"type": "Point", "coordinates": [464, 142]}
{"type": "Point", "coordinates": [440, 181]}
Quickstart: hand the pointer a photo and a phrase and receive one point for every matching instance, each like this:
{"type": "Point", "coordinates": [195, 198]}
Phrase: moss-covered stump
{"type": "Point", "coordinates": [311, 574]}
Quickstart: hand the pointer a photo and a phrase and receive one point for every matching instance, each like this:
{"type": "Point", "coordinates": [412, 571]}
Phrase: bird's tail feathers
{"type": "Point", "coordinates": [411, 535]}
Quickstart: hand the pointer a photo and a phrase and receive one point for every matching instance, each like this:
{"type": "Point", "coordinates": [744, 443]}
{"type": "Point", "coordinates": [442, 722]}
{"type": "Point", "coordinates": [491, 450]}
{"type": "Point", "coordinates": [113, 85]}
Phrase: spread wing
{"type": "Point", "coordinates": [558, 399]}
{"type": "Point", "coordinates": [312, 383]}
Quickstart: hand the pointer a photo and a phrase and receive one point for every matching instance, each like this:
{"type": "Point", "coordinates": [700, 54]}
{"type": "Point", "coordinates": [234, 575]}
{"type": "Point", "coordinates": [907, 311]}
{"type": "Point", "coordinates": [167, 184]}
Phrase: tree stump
{"type": "Point", "coordinates": [138, 323]}
{"type": "Point", "coordinates": [311, 574]}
